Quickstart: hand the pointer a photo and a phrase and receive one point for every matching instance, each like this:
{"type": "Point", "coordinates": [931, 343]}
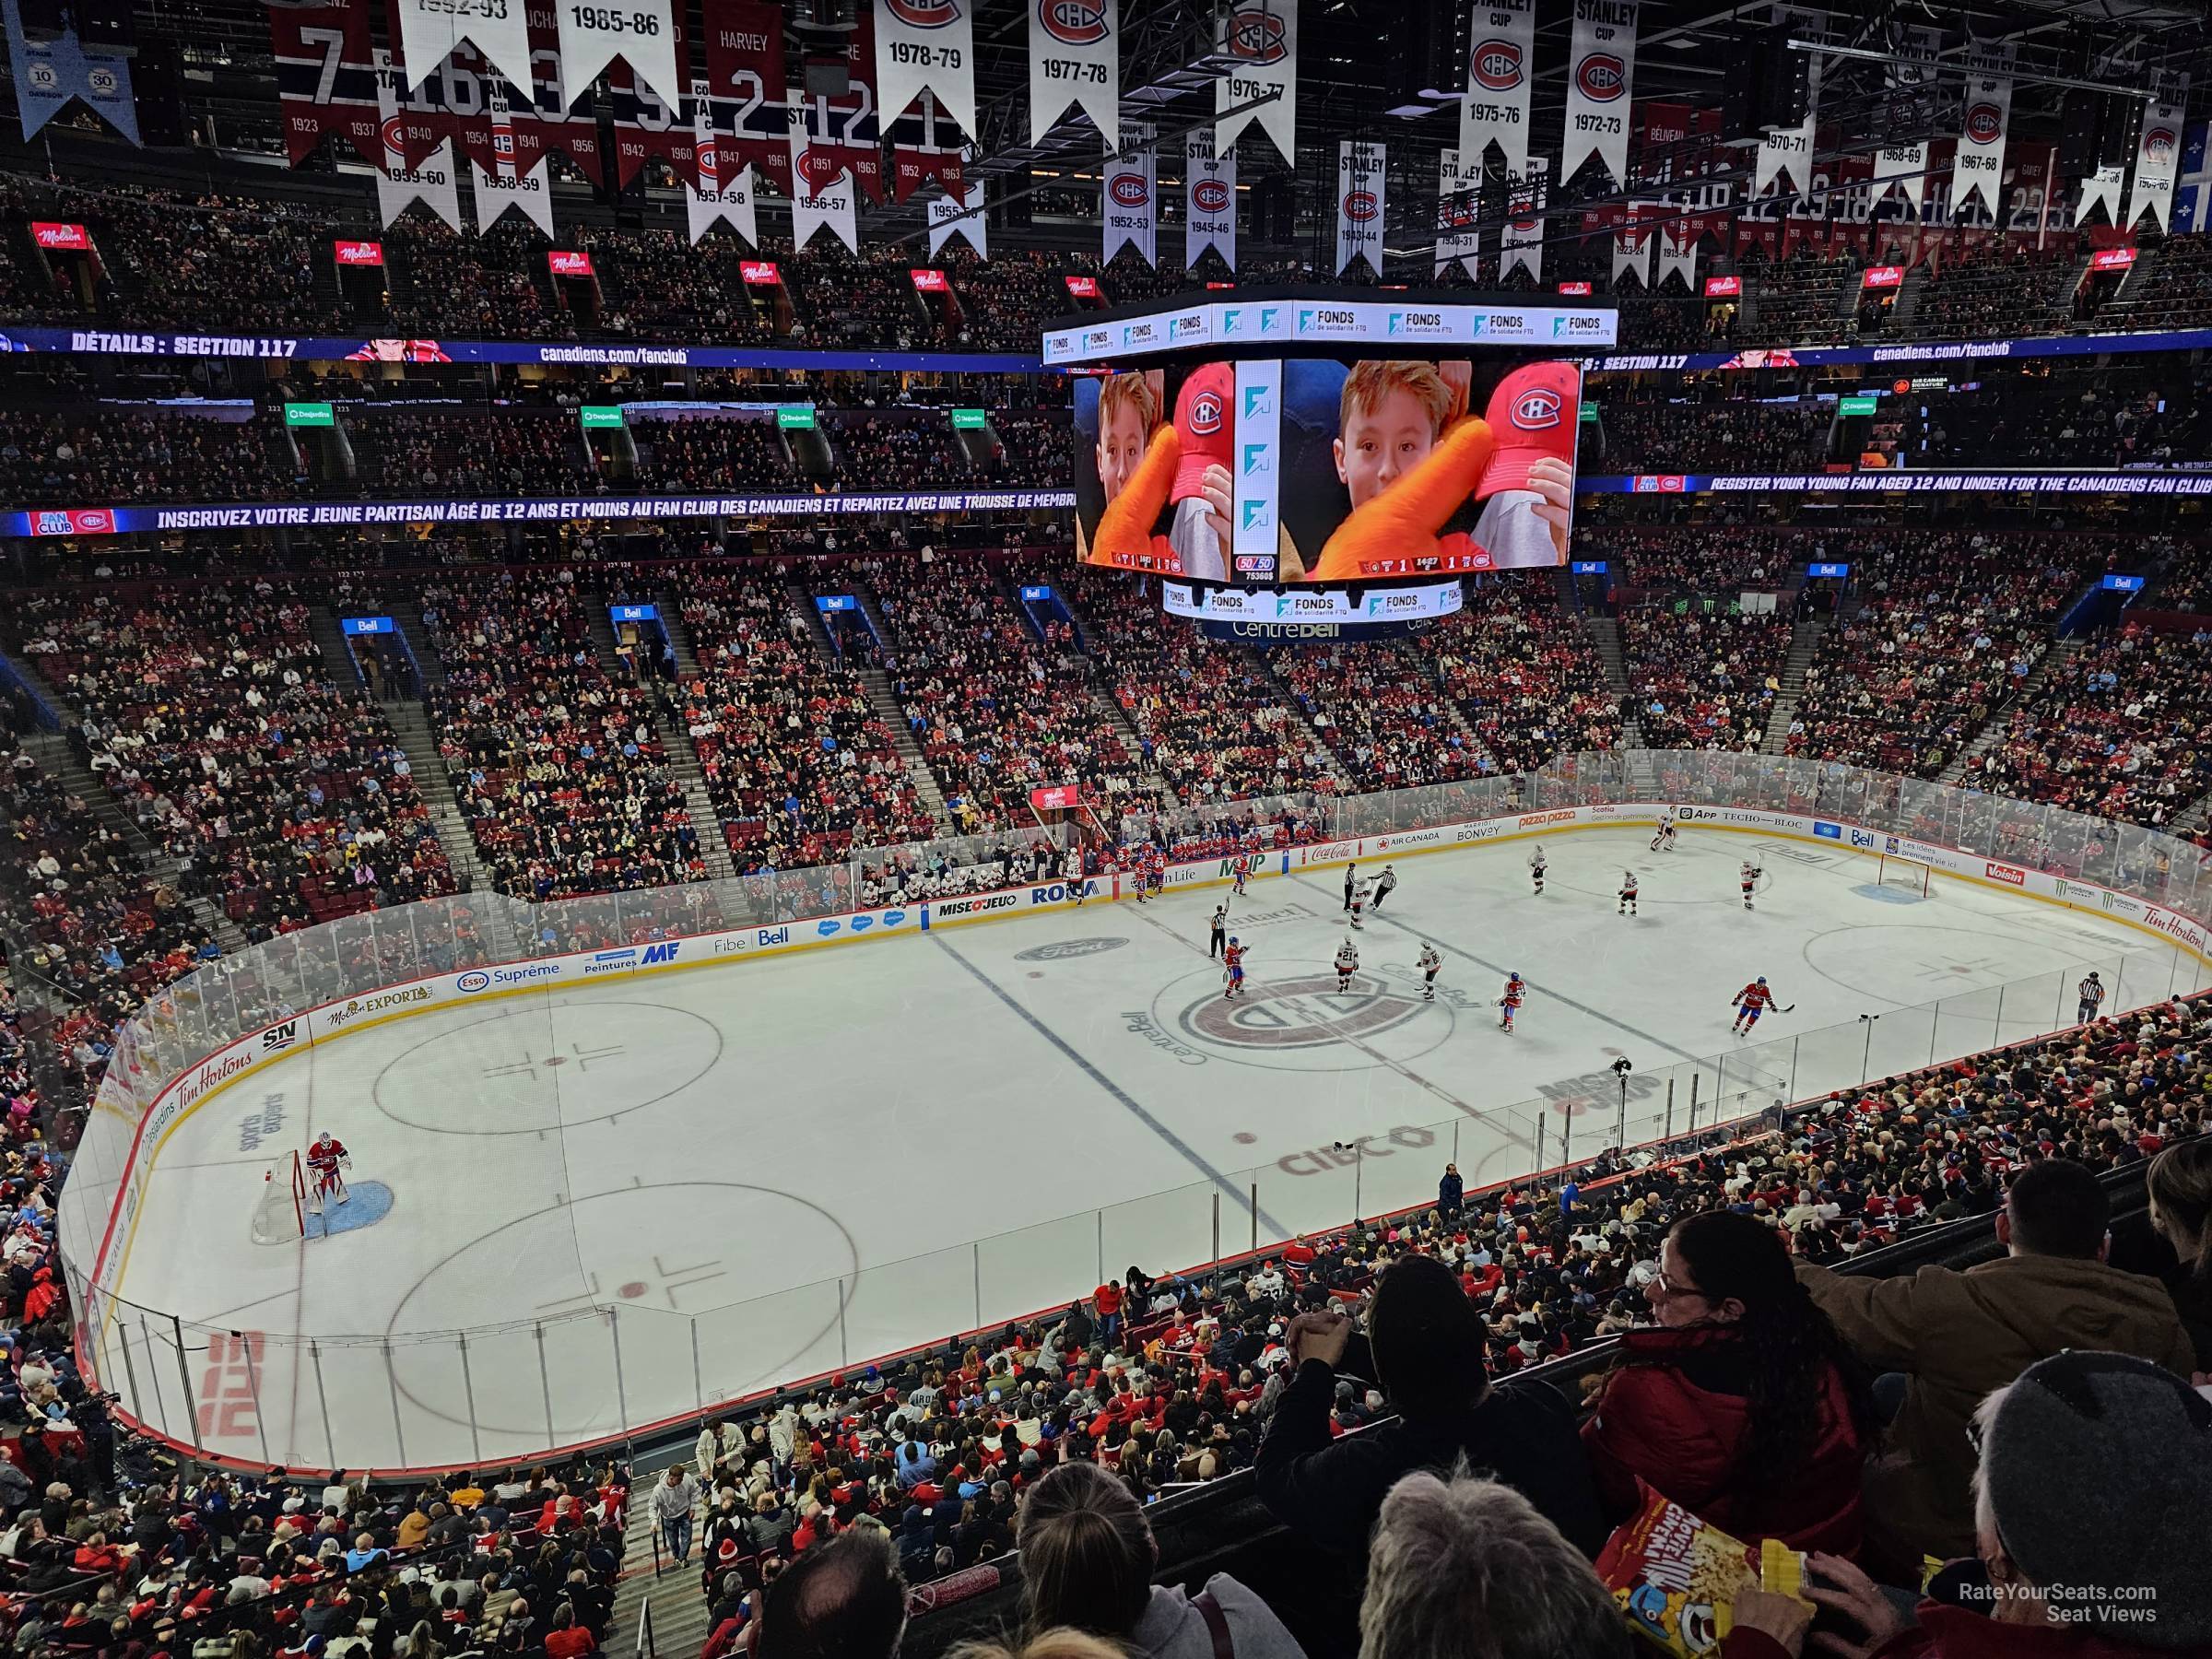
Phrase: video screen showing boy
{"type": "Point", "coordinates": [1118, 427]}
{"type": "Point", "coordinates": [1382, 467]}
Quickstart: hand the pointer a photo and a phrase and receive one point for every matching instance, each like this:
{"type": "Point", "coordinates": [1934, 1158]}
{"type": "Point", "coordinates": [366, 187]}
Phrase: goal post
{"type": "Point", "coordinates": [1906, 874]}
{"type": "Point", "coordinates": [281, 1214]}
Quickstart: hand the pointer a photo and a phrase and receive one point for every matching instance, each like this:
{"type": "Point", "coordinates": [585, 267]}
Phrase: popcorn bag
{"type": "Point", "coordinates": [1675, 1578]}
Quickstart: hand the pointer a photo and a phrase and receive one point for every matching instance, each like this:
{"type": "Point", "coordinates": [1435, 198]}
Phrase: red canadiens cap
{"type": "Point", "coordinates": [1532, 416]}
{"type": "Point", "coordinates": [1205, 415]}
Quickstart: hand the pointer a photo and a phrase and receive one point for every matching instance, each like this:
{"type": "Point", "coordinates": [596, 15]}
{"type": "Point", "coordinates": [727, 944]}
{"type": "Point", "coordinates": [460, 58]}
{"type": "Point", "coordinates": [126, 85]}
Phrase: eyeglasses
{"type": "Point", "coordinates": [1666, 1287]}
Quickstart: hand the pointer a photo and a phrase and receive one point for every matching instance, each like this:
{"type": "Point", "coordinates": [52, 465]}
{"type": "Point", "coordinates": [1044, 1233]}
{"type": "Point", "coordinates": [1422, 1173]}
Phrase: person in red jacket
{"type": "Point", "coordinates": [1742, 1405]}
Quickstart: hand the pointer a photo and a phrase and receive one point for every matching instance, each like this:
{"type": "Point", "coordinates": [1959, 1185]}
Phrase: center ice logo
{"type": "Point", "coordinates": [1281, 1017]}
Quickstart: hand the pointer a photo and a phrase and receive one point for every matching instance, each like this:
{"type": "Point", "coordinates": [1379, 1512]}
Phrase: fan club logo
{"type": "Point", "coordinates": [1601, 77]}
{"type": "Point", "coordinates": [1257, 36]}
{"type": "Point", "coordinates": [925, 14]}
{"type": "Point", "coordinates": [1209, 195]}
{"type": "Point", "coordinates": [1984, 124]}
{"type": "Point", "coordinates": [1535, 411]}
{"type": "Point", "coordinates": [1130, 190]}
{"type": "Point", "coordinates": [1360, 206]}
{"type": "Point", "coordinates": [1496, 65]}
{"type": "Point", "coordinates": [1205, 414]}
{"type": "Point", "coordinates": [1072, 22]}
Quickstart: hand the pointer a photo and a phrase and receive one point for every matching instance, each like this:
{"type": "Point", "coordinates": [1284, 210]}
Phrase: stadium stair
{"type": "Point", "coordinates": [683, 765]}
{"type": "Point", "coordinates": [414, 734]}
{"type": "Point", "coordinates": [679, 1611]}
{"type": "Point", "coordinates": [407, 615]}
{"type": "Point", "coordinates": [339, 666]}
{"type": "Point", "coordinates": [1804, 641]}
{"type": "Point", "coordinates": [1902, 310]}
{"type": "Point", "coordinates": [803, 607]}
{"type": "Point", "coordinates": [2061, 652]}
{"type": "Point", "coordinates": [886, 704]}
{"type": "Point", "coordinates": [672, 619]}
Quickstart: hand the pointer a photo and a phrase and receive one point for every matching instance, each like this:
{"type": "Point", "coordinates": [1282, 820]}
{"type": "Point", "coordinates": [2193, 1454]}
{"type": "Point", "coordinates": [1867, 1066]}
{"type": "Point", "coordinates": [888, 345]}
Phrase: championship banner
{"type": "Point", "coordinates": [2157, 154]}
{"type": "Point", "coordinates": [1458, 182]}
{"type": "Point", "coordinates": [927, 44]}
{"type": "Point", "coordinates": [1359, 204]}
{"type": "Point", "coordinates": [2101, 188]}
{"type": "Point", "coordinates": [643, 33]}
{"type": "Point", "coordinates": [1521, 242]}
{"type": "Point", "coordinates": [1126, 204]}
{"type": "Point", "coordinates": [1787, 153]}
{"type": "Point", "coordinates": [1074, 57]}
{"type": "Point", "coordinates": [1678, 252]}
{"type": "Point", "coordinates": [500, 187]}
{"type": "Point", "coordinates": [429, 30]}
{"type": "Point", "coordinates": [1632, 242]}
{"type": "Point", "coordinates": [823, 190]}
{"type": "Point", "coordinates": [1905, 166]}
{"type": "Point", "coordinates": [1601, 79]}
{"type": "Point", "coordinates": [325, 80]}
{"type": "Point", "coordinates": [962, 216]}
{"type": "Point", "coordinates": [50, 73]}
{"type": "Point", "coordinates": [751, 116]}
{"type": "Point", "coordinates": [1978, 168]}
{"type": "Point", "coordinates": [400, 185]}
{"type": "Point", "coordinates": [1209, 200]}
{"type": "Point", "coordinates": [1495, 110]}
{"type": "Point", "coordinates": [710, 200]}
{"type": "Point", "coordinates": [1262, 36]}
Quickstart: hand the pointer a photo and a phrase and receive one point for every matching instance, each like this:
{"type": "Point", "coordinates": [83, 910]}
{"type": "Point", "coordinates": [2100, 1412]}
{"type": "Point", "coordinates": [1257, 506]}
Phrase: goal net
{"type": "Point", "coordinates": [1907, 875]}
{"type": "Point", "coordinates": [282, 1213]}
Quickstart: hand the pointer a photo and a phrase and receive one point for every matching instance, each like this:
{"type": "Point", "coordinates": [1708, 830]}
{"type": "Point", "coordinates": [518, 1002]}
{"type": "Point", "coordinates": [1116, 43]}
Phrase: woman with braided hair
{"type": "Point", "coordinates": [1741, 1402]}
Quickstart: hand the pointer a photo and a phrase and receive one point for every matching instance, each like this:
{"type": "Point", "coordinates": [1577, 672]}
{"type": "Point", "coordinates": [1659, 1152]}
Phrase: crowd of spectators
{"type": "Point", "coordinates": [206, 711]}
{"type": "Point", "coordinates": [1714, 561]}
{"type": "Point", "coordinates": [798, 765]}
{"type": "Point", "coordinates": [2116, 730]}
{"type": "Point", "coordinates": [1524, 674]}
{"type": "Point", "coordinates": [1378, 706]}
{"type": "Point", "coordinates": [2110, 419]}
{"type": "Point", "coordinates": [658, 285]}
{"type": "Point", "coordinates": [120, 455]}
{"type": "Point", "coordinates": [1945, 627]}
{"type": "Point", "coordinates": [1724, 436]}
{"type": "Point", "coordinates": [1991, 293]}
{"type": "Point", "coordinates": [1702, 675]}
{"type": "Point", "coordinates": [474, 451]}
{"type": "Point", "coordinates": [2175, 292]}
{"type": "Point", "coordinates": [707, 455]}
{"type": "Point", "coordinates": [557, 766]}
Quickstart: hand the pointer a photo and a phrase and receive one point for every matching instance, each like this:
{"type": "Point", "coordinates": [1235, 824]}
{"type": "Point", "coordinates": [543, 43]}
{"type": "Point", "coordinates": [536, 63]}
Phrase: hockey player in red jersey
{"type": "Point", "coordinates": [1516, 988]}
{"type": "Point", "coordinates": [326, 1157]}
{"type": "Point", "coordinates": [1750, 1002]}
{"type": "Point", "coordinates": [1234, 955]}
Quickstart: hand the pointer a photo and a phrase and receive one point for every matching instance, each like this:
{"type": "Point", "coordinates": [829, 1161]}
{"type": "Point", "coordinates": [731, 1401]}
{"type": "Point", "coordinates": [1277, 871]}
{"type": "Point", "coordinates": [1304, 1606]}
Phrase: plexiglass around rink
{"type": "Point", "coordinates": [564, 1261]}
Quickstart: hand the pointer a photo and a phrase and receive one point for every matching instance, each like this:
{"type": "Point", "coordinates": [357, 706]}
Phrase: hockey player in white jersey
{"type": "Point", "coordinates": [1748, 878]}
{"type": "Point", "coordinates": [1627, 893]}
{"type": "Point", "coordinates": [1362, 890]}
{"type": "Point", "coordinates": [1537, 862]}
{"type": "Point", "coordinates": [1073, 868]}
{"type": "Point", "coordinates": [1664, 839]}
{"type": "Point", "coordinates": [1348, 964]}
{"type": "Point", "coordinates": [1429, 961]}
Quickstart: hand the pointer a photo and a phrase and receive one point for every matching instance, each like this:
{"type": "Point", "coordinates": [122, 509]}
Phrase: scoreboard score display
{"type": "Point", "coordinates": [1354, 459]}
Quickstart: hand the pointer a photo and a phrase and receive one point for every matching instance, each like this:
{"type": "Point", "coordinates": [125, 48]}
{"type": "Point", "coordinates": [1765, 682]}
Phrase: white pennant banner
{"type": "Point", "coordinates": [1979, 167]}
{"type": "Point", "coordinates": [432, 182]}
{"type": "Point", "coordinates": [429, 29]}
{"type": "Point", "coordinates": [2157, 157]}
{"type": "Point", "coordinates": [1209, 200]}
{"type": "Point", "coordinates": [499, 191]}
{"type": "Point", "coordinates": [1678, 252]}
{"type": "Point", "coordinates": [1787, 152]}
{"type": "Point", "coordinates": [1261, 35]}
{"type": "Point", "coordinates": [1905, 166]}
{"type": "Point", "coordinates": [640, 32]}
{"type": "Point", "coordinates": [1359, 204]}
{"type": "Point", "coordinates": [1074, 57]}
{"type": "Point", "coordinates": [715, 200]}
{"type": "Point", "coordinates": [925, 43]}
{"type": "Point", "coordinates": [960, 215]}
{"type": "Point", "coordinates": [1601, 79]}
{"type": "Point", "coordinates": [1632, 244]}
{"type": "Point", "coordinates": [1129, 209]}
{"type": "Point", "coordinates": [2103, 185]}
{"type": "Point", "coordinates": [1521, 241]}
{"type": "Point", "coordinates": [1495, 110]}
{"type": "Point", "coordinates": [822, 188]}
{"type": "Point", "coordinates": [1456, 180]}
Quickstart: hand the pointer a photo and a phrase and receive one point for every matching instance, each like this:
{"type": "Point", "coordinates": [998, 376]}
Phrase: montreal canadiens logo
{"type": "Point", "coordinates": [925, 14]}
{"type": "Point", "coordinates": [1257, 36]}
{"type": "Point", "coordinates": [1496, 65]}
{"type": "Point", "coordinates": [2159, 141]}
{"type": "Point", "coordinates": [1072, 22]}
{"type": "Point", "coordinates": [818, 167]}
{"type": "Point", "coordinates": [395, 134]}
{"type": "Point", "coordinates": [1534, 410]}
{"type": "Point", "coordinates": [1984, 124]}
{"type": "Point", "coordinates": [1130, 189]}
{"type": "Point", "coordinates": [94, 521]}
{"type": "Point", "coordinates": [1360, 206]}
{"type": "Point", "coordinates": [1205, 414]}
{"type": "Point", "coordinates": [1601, 77]}
{"type": "Point", "coordinates": [1209, 195]}
{"type": "Point", "coordinates": [1303, 1023]}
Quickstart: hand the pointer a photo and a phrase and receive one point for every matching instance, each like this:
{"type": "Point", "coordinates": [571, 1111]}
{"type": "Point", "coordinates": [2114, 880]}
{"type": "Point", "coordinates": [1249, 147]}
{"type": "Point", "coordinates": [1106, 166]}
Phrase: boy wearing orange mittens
{"type": "Point", "coordinates": [1407, 464]}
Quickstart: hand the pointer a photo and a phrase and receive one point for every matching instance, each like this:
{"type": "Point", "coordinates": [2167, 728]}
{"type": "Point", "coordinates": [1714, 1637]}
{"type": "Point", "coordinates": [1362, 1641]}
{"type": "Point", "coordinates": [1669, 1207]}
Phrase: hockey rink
{"type": "Point", "coordinates": [689, 1186]}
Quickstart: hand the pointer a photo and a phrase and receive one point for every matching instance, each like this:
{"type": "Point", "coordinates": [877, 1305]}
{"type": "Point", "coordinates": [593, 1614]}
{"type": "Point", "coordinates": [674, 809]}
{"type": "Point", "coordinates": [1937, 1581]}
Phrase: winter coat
{"type": "Point", "coordinates": [1677, 1416]}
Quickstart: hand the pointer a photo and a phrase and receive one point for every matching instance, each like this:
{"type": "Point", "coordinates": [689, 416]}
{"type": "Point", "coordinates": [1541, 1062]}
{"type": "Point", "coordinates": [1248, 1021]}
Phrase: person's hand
{"type": "Point", "coordinates": [1317, 1335]}
{"type": "Point", "coordinates": [1851, 1592]}
{"type": "Point", "coordinates": [1784, 1617]}
{"type": "Point", "coordinates": [1553, 479]}
{"type": "Point", "coordinates": [1213, 488]}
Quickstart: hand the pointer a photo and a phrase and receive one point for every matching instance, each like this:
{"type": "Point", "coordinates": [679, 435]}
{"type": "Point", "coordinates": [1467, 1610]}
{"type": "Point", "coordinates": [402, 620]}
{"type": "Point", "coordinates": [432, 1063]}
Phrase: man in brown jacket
{"type": "Point", "coordinates": [1957, 1336]}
